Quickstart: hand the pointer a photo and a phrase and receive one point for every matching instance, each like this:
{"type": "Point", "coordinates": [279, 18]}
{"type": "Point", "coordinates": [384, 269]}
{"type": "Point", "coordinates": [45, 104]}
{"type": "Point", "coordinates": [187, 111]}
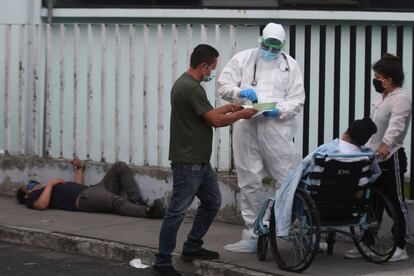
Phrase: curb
{"type": "Point", "coordinates": [115, 251]}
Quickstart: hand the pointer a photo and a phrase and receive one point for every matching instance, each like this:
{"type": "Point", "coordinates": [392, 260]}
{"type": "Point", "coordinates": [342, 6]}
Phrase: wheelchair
{"type": "Point", "coordinates": [325, 203]}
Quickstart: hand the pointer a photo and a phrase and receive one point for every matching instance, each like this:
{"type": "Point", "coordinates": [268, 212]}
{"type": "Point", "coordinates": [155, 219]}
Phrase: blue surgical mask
{"type": "Point", "coordinates": [212, 76]}
{"type": "Point", "coordinates": [31, 184]}
{"type": "Point", "coordinates": [268, 55]}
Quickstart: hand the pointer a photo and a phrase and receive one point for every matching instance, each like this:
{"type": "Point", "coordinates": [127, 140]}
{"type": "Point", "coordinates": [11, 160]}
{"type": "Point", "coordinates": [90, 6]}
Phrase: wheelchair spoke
{"type": "Point", "coordinates": [296, 251]}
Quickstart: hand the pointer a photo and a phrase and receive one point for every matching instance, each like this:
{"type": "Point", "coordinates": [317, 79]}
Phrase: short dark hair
{"type": "Point", "coordinates": [390, 67]}
{"type": "Point", "coordinates": [203, 53]}
{"type": "Point", "coordinates": [21, 196]}
{"type": "Point", "coordinates": [361, 130]}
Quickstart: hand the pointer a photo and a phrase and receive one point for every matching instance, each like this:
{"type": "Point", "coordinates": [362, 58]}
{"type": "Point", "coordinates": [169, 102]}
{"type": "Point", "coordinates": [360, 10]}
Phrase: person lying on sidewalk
{"type": "Point", "coordinates": [103, 197]}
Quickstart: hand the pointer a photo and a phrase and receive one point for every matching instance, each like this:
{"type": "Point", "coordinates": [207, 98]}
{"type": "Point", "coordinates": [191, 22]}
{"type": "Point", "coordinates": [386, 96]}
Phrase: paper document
{"type": "Point", "coordinates": [261, 107]}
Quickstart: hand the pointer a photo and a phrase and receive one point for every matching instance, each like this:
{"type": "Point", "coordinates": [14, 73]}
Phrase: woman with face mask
{"type": "Point", "coordinates": [391, 112]}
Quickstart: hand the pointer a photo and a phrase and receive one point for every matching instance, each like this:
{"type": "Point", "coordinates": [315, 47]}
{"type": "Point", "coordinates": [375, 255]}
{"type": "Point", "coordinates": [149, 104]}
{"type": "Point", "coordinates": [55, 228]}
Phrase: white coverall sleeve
{"type": "Point", "coordinates": [229, 81]}
{"type": "Point", "coordinates": [295, 94]}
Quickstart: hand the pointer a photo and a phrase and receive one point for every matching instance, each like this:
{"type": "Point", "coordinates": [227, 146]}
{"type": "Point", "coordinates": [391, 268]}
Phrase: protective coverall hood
{"type": "Point", "coordinates": [273, 30]}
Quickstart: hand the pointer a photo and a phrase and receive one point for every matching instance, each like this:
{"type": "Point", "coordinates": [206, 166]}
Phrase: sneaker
{"type": "Point", "coordinates": [157, 210]}
{"type": "Point", "coordinates": [399, 255]}
{"type": "Point", "coordinates": [248, 244]}
{"type": "Point", "coordinates": [202, 254]}
{"type": "Point", "coordinates": [354, 253]}
{"type": "Point", "coordinates": [243, 246]}
{"type": "Point", "coordinates": [165, 270]}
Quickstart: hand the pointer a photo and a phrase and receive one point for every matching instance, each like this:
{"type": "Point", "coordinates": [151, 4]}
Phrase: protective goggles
{"type": "Point", "coordinates": [31, 184]}
{"type": "Point", "coordinates": [271, 44]}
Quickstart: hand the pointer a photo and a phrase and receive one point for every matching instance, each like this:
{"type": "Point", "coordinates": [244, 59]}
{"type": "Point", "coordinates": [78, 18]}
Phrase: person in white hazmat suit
{"type": "Point", "coordinates": [263, 146]}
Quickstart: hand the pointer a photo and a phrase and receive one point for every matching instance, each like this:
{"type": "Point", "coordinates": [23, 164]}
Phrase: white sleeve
{"type": "Point", "coordinates": [399, 121]}
{"type": "Point", "coordinates": [230, 79]}
{"type": "Point", "coordinates": [295, 98]}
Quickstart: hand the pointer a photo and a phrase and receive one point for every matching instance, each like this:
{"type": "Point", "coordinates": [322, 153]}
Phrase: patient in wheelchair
{"type": "Point", "coordinates": [352, 141]}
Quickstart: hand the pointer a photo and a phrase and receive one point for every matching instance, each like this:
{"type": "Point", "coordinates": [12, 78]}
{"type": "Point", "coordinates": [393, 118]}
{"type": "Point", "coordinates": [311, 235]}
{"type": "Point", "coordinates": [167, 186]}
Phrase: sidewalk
{"type": "Point", "coordinates": [125, 238]}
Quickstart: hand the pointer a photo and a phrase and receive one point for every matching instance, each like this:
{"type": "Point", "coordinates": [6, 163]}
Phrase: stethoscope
{"type": "Point", "coordinates": [284, 69]}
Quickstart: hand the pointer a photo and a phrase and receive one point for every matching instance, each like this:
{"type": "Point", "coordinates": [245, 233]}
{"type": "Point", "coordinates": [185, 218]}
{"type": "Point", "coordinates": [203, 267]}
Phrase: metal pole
{"type": "Point", "coordinates": [50, 11]}
{"type": "Point", "coordinates": [45, 132]}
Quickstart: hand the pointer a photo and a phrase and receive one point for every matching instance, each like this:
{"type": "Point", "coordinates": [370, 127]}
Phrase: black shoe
{"type": "Point", "coordinates": [202, 254]}
{"type": "Point", "coordinates": [165, 270]}
{"type": "Point", "coordinates": [157, 210]}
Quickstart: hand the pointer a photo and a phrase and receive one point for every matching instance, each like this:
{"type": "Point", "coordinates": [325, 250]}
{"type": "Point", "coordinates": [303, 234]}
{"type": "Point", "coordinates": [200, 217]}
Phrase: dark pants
{"type": "Point", "coordinates": [105, 196]}
{"type": "Point", "coordinates": [189, 181]}
{"type": "Point", "coordinates": [391, 182]}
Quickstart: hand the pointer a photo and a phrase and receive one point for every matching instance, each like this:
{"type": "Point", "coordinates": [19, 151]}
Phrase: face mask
{"type": "Point", "coordinates": [31, 184]}
{"type": "Point", "coordinates": [378, 85]}
{"type": "Point", "coordinates": [268, 55]}
{"type": "Point", "coordinates": [209, 78]}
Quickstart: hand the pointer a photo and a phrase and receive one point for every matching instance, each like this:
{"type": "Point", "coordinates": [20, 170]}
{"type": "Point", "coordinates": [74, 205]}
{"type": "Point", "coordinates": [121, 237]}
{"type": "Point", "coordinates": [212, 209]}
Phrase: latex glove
{"type": "Point", "coordinates": [274, 113]}
{"type": "Point", "coordinates": [249, 94]}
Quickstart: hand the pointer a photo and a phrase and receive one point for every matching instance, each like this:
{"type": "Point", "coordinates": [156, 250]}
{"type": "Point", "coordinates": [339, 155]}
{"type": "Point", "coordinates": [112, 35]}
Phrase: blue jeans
{"type": "Point", "coordinates": [189, 180]}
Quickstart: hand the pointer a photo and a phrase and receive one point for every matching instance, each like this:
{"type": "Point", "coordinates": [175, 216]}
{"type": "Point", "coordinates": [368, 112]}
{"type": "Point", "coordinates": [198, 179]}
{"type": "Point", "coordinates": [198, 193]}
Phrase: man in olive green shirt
{"type": "Point", "coordinates": [191, 133]}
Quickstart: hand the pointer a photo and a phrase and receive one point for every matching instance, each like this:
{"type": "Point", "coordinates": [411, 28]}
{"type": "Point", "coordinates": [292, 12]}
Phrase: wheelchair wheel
{"type": "Point", "coordinates": [297, 251]}
{"type": "Point", "coordinates": [377, 239]}
{"type": "Point", "coordinates": [262, 244]}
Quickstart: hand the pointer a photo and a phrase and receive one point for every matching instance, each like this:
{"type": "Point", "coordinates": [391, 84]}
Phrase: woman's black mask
{"type": "Point", "coordinates": [378, 85]}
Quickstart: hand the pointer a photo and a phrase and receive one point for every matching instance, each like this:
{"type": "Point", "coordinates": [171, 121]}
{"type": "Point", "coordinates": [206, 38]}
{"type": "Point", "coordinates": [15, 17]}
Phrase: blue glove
{"type": "Point", "coordinates": [249, 94]}
{"type": "Point", "coordinates": [274, 113]}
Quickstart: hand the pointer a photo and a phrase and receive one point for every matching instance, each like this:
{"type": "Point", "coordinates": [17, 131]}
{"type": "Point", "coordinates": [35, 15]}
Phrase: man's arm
{"type": "Point", "coordinates": [227, 114]}
{"type": "Point", "coordinates": [79, 170]}
{"type": "Point", "coordinates": [44, 199]}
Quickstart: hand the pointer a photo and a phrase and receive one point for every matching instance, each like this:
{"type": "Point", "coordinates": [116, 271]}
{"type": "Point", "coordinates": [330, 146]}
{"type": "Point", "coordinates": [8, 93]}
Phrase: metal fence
{"type": "Point", "coordinates": [101, 91]}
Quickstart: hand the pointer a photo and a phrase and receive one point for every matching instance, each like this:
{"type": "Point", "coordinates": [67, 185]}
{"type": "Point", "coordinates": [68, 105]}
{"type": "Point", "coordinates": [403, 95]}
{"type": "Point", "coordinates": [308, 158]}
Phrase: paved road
{"type": "Point", "coordinates": [19, 260]}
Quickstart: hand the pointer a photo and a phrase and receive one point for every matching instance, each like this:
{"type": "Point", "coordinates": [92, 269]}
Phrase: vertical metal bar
{"type": "Point", "coordinates": [75, 87]}
{"type": "Point", "coordinates": [48, 102]}
{"type": "Point", "coordinates": [306, 80]}
{"type": "Point", "coordinates": [400, 41]}
{"type": "Point", "coordinates": [217, 100]}
{"type": "Point", "coordinates": [145, 100]}
{"type": "Point", "coordinates": [292, 41]}
{"type": "Point", "coordinates": [62, 86]}
{"type": "Point", "coordinates": [189, 42]}
{"type": "Point", "coordinates": [160, 88]}
{"type": "Point", "coordinates": [337, 81]}
{"type": "Point", "coordinates": [89, 129]}
{"type": "Point", "coordinates": [174, 37]}
{"type": "Point", "coordinates": [103, 92]}
{"type": "Point", "coordinates": [132, 104]}
{"type": "Point", "coordinates": [352, 70]}
{"type": "Point", "coordinates": [7, 54]}
{"type": "Point", "coordinates": [411, 196]}
{"type": "Point", "coordinates": [321, 90]}
{"type": "Point", "coordinates": [203, 38]}
{"type": "Point", "coordinates": [367, 73]}
{"type": "Point", "coordinates": [117, 89]}
{"type": "Point", "coordinates": [22, 101]}
{"type": "Point", "coordinates": [203, 30]}
{"type": "Point", "coordinates": [232, 53]}
{"type": "Point", "coordinates": [35, 54]}
{"type": "Point", "coordinates": [384, 39]}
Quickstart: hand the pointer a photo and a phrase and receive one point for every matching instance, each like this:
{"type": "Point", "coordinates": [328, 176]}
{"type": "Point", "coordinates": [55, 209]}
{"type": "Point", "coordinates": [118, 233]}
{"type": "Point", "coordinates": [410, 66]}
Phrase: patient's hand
{"type": "Point", "coordinates": [77, 163]}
